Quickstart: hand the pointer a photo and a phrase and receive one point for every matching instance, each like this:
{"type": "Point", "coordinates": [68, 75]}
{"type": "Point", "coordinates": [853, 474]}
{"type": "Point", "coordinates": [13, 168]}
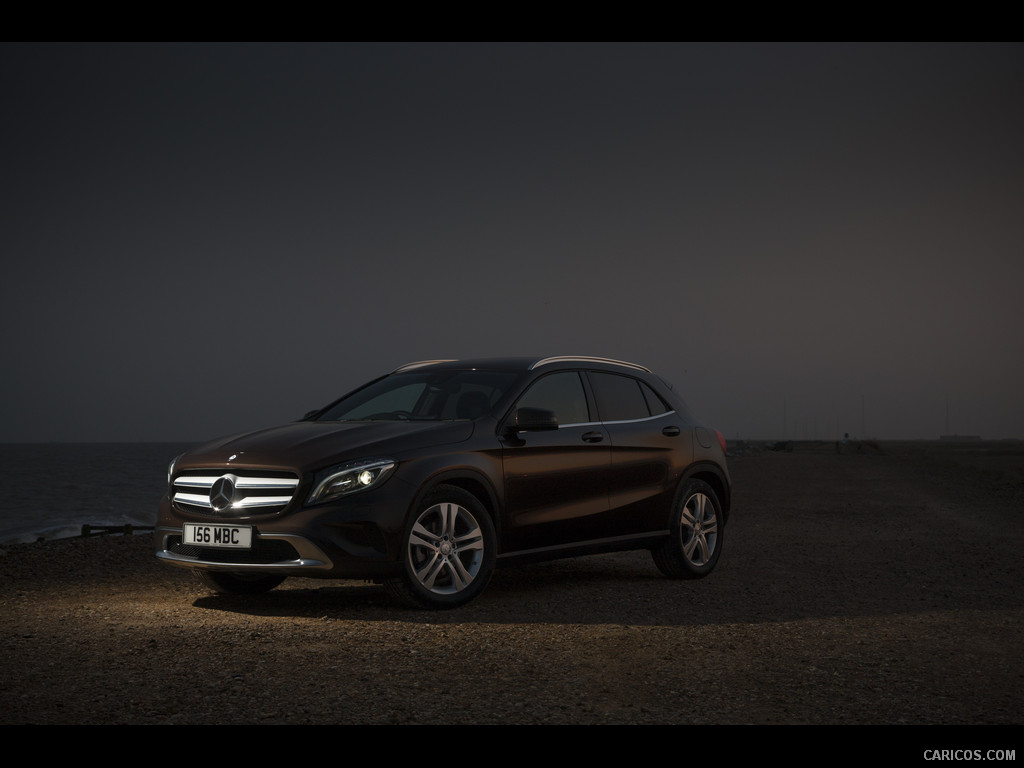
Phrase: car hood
{"type": "Point", "coordinates": [308, 445]}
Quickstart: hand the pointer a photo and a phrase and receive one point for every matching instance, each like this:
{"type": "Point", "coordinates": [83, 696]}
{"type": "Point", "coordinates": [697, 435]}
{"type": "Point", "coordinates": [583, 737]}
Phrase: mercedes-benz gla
{"type": "Point", "coordinates": [428, 478]}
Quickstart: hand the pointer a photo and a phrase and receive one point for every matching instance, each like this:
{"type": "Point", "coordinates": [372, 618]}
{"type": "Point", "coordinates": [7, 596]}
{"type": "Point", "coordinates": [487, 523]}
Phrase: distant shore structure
{"type": "Point", "coordinates": [960, 438]}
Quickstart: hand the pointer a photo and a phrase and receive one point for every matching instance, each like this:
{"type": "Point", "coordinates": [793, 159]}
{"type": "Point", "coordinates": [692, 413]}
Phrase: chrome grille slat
{"type": "Point", "coordinates": [262, 501]}
{"type": "Point", "coordinates": [243, 482]}
{"type": "Point", "coordinates": [257, 482]}
{"type": "Point", "coordinates": [193, 499]}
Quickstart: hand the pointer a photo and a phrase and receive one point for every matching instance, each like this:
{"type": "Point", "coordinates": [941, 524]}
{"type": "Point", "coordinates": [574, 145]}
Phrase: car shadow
{"type": "Point", "coordinates": [627, 588]}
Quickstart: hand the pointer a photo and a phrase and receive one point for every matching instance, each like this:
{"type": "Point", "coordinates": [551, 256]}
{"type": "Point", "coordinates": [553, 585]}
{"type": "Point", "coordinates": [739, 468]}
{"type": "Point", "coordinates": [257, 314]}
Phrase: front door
{"type": "Point", "coordinates": [556, 481]}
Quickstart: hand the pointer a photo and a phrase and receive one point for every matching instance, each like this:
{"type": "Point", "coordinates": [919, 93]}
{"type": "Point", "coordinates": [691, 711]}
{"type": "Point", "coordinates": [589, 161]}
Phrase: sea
{"type": "Point", "coordinates": [51, 490]}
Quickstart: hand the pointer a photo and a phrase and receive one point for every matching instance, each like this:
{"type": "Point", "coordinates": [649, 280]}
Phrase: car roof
{"type": "Point", "coordinates": [523, 364]}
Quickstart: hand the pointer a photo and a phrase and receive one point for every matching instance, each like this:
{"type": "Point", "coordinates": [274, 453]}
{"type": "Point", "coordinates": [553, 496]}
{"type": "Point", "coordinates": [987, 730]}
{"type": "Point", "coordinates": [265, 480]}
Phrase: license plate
{"type": "Point", "coordinates": [230, 536]}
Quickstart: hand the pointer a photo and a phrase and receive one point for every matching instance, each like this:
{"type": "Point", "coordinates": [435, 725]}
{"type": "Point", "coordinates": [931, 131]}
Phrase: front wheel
{"type": "Point", "coordinates": [695, 539]}
{"type": "Point", "coordinates": [448, 551]}
{"type": "Point", "coordinates": [226, 583]}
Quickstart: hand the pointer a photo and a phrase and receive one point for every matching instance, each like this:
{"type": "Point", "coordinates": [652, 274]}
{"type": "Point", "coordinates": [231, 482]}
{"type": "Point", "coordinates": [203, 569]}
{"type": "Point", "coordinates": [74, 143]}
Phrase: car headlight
{"type": "Point", "coordinates": [343, 479]}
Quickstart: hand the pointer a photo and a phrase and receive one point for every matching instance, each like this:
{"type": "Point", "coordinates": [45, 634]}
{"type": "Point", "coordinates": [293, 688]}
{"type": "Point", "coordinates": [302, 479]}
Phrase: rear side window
{"type": "Point", "coordinates": [623, 398]}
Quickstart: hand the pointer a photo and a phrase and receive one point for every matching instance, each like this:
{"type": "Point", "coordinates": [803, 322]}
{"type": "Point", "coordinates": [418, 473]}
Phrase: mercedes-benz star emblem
{"type": "Point", "coordinates": [222, 493]}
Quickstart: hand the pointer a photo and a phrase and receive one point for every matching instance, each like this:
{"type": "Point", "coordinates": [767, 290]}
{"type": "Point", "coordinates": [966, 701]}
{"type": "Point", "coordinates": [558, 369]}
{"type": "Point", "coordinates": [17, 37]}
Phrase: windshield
{"type": "Point", "coordinates": [423, 396]}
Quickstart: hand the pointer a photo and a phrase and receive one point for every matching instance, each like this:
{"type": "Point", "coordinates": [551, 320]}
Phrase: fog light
{"type": "Point", "coordinates": [365, 477]}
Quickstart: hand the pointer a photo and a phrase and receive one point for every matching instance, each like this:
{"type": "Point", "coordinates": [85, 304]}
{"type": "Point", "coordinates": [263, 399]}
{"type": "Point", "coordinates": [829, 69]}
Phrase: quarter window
{"type": "Point", "coordinates": [654, 402]}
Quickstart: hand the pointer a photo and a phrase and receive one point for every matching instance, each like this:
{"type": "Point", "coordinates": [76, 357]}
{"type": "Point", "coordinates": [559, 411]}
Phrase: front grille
{"type": "Point", "coordinates": [233, 494]}
{"type": "Point", "coordinates": [263, 551]}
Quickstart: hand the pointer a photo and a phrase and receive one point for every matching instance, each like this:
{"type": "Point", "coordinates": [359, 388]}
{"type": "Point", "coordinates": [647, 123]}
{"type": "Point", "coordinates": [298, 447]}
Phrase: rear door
{"type": "Point", "coordinates": [649, 443]}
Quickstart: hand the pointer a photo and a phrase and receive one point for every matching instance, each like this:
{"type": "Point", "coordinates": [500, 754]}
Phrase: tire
{"type": "Point", "coordinates": [695, 542]}
{"type": "Point", "coordinates": [226, 583]}
{"type": "Point", "coordinates": [448, 551]}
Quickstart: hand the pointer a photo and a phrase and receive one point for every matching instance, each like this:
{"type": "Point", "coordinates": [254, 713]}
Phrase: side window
{"type": "Point", "coordinates": [619, 398]}
{"type": "Point", "coordinates": [559, 392]}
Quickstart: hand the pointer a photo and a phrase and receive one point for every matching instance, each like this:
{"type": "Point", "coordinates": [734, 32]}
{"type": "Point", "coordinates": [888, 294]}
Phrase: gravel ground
{"type": "Point", "coordinates": [872, 588]}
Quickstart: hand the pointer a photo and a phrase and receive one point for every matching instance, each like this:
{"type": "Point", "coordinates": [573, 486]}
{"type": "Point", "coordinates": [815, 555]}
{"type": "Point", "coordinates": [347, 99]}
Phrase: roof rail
{"type": "Point", "coordinates": [420, 364]}
{"type": "Point", "coordinates": [570, 359]}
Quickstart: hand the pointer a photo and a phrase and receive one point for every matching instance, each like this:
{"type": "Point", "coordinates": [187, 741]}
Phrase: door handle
{"type": "Point", "coordinates": [593, 437]}
{"type": "Point", "coordinates": [670, 431]}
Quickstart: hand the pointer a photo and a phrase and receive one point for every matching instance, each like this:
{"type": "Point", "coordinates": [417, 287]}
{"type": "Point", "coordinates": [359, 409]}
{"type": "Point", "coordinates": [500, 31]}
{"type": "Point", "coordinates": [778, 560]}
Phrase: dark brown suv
{"type": "Point", "coordinates": [428, 478]}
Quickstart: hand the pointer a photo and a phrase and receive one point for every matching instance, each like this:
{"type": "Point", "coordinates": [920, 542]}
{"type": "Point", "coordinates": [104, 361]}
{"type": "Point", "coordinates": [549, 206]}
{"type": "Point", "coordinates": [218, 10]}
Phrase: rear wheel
{"type": "Point", "coordinates": [691, 550]}
{"type": "Point", "coordinates": [448, 551]}
{"type": "Point", "coordinates": [229, 583]}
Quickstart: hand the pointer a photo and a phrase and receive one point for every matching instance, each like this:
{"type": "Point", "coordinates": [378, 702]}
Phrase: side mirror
{"type": "Point", "coordinates": [533, 420]}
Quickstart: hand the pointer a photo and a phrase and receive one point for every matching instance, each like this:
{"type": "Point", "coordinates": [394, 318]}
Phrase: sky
{"type": "Point", "coordinates": [805, 239]}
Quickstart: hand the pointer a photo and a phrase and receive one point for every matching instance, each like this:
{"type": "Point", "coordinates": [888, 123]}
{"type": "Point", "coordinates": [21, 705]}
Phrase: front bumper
{"type": "Point", "coordinates": [354, 539]}
{"type": "Point", "coordinates": [271, 553]}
